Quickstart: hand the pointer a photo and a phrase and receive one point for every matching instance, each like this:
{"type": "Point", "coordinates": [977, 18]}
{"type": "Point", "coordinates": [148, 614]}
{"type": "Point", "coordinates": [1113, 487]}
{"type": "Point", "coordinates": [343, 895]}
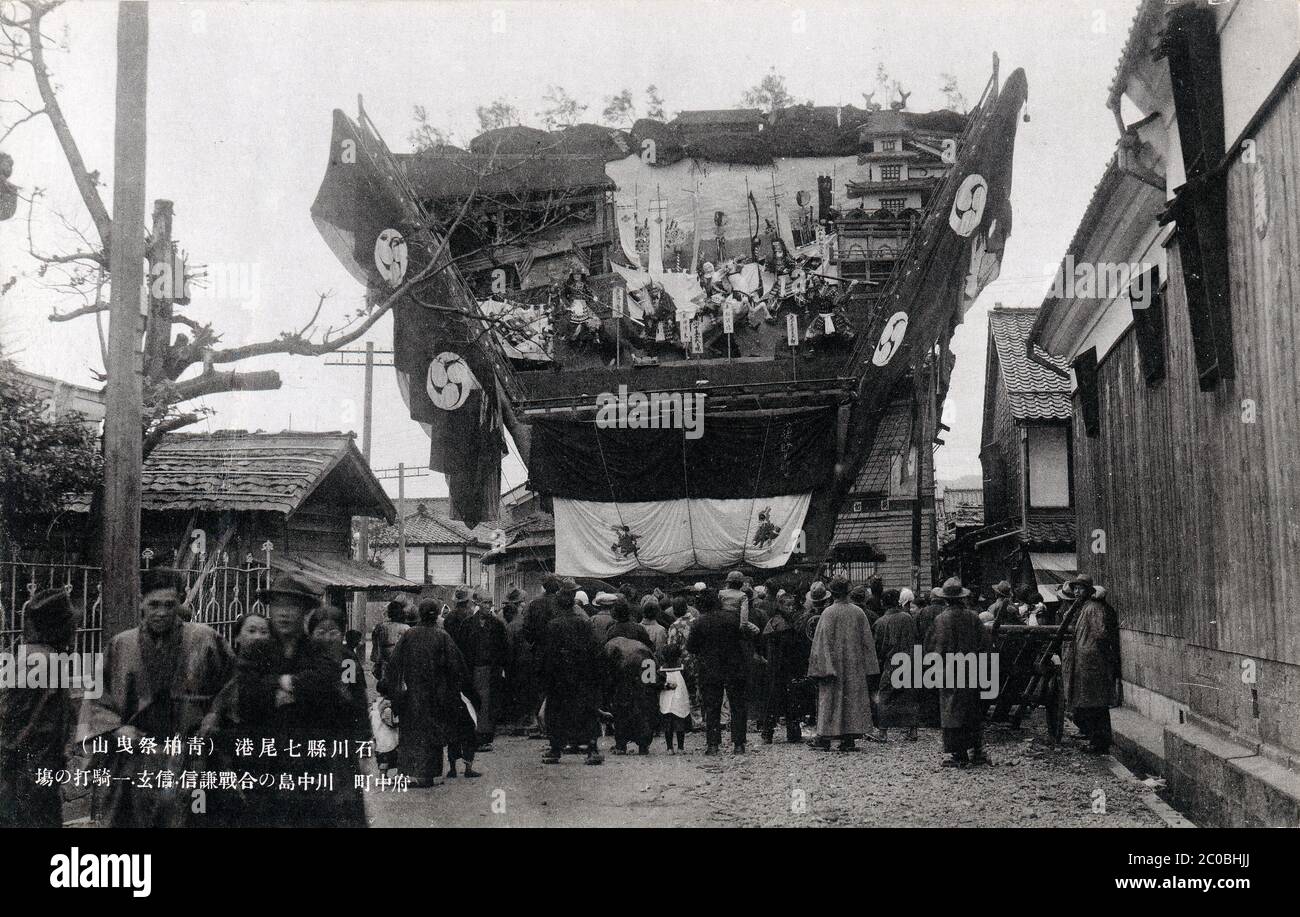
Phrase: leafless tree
{"type": "Point", "coordinates": [171, 356]}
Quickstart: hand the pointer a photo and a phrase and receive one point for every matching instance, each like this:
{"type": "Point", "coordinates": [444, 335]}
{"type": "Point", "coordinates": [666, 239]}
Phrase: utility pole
{"type": "Point", "coordinates": [123, 446]}
{"type": "Point", "coordinates": [354, 358]}
{"type": "Point", "coordinates": [401, 472]}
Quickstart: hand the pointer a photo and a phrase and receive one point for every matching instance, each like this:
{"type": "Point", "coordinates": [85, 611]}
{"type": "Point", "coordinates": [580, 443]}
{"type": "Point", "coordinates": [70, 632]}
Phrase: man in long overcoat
{"type": "Point", "coordinates": [1090, 665]}
{"type": "Point", "coordinates": [957, 632]}
{"type": "Point", "coordinates": [896, 705]}
{"type": "Point", "coordinates": [571, 679]}
{"type": "Point", "coordinates": [424, 678]}
{"type": "Point", "coordinates": [842, 660]}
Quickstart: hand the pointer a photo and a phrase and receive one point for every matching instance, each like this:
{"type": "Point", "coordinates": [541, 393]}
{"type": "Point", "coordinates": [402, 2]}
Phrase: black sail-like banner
{"type": "Point", "coordinates": [737, 457]}
{"type": "Point", "coordinates": [369, 217]}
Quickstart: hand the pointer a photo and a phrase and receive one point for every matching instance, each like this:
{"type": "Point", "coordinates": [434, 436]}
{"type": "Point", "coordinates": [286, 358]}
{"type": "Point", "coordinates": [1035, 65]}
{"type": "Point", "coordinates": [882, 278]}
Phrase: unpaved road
{"type": "Point", "coordinates": [1031, 784]}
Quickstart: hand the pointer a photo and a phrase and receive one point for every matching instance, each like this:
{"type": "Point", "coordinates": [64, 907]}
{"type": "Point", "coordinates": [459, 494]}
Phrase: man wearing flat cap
{"type": "Point", "coordinates": [160, 680]}
{"type": "Point", "coordinates": [36, 721]}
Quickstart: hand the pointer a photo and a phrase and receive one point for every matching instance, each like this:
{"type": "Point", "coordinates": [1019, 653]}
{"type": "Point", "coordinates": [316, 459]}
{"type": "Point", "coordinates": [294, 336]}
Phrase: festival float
{"type": "Point", "coordinates": [688, 403]}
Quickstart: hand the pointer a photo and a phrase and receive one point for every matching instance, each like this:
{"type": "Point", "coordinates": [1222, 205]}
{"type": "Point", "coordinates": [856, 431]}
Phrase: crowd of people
{"type": "Point", "coordinates": [284, 710]}
{"type": "Point", "coordinates": [632, 665]}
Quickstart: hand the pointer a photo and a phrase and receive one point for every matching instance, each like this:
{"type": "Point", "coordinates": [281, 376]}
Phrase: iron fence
{"type": "Point", "coordinates": [216, 595]}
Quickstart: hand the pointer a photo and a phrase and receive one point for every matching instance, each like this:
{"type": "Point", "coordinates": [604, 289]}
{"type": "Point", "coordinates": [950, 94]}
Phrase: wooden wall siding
{"type": "Point", "coordinates": [1201, 510]}
{"type": "Point", "coordinates": [1006, 440]}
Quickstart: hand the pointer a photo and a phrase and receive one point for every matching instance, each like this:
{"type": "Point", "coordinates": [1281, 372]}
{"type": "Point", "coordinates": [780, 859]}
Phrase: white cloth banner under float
{"type": "Point", "coordinates": [600, 539]}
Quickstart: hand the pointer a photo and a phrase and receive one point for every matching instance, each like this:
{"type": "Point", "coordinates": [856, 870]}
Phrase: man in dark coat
{"type": "Point", "coordinates": [623, 626]}
{"type": "Point", "coordinates": [540, 611]}
{"type": "Point", "coordinates": [786, 646]}
{"type": "Point", "coordinates": [572, 674]}
{"type": "Point", "coordinates": [928, 698]}
{"type": "Point", "coordinates": [424, 679]}
{"type": "Point", "coordinates": [896, 706]}
{"type": "Point", "coordinates": [521, 690]}
{"type": "Point", "coordinates": [1090, 665]}
{"type": "Point", "coordinates": [36, 722]}
{"type": "Point", "coordinates": [958, 632]}
{"type": "Point", "coordinates": [632, 690]}
{"type": "Point", "coordinates": [718, 643]}
{"type": "Point", "coordinates": [481, 638]}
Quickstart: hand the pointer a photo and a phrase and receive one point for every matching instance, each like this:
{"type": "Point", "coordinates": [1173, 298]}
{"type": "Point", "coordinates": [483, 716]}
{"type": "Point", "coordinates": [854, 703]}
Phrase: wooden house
{"type": "Point", "coordinates": [229, 505]}
{"type": "Point", "coordinates": [1176, 309]}
{"type": "Point", "coordinates": [1028, 531]}
{"type": "Point", "coordinates": [439, 550]}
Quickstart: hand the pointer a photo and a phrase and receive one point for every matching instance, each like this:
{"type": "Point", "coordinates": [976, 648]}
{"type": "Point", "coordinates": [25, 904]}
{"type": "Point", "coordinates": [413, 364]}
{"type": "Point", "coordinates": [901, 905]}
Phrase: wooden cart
{"type": "Point", "coordinates": [1029, 672]}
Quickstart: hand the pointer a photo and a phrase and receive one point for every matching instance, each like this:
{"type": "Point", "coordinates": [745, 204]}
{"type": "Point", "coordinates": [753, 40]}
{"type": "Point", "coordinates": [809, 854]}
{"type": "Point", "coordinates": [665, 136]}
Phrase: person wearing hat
{"type": "Point", "coordinates": [732, 597]}
{"type": "Point", "coordinates": [521, 692]}
{"type": "Point", "coordinates": [786, 646]}
{"type": "Point", "coordinates": [36, 721]}
{"type": "Point", "coordinates": [602, 618]}
{"type": "Point", "coordinates": [818, 598]}
{"type": "Point", "coordinates": [301, 697]}
{"type": "Point", "coordinates": [536, 618]}
{"type": "Point", "coordinates": [842, 660]}
{"type": "Point", "coordinates": [721, 646]}
{"type": "Point", "coordinates": [572, 676]}
{"type": "Point", "coordinates": [481, 638]}
{"type": "Point", "coordinates": [957, 632]}
{"type": "Point", "coordinates": [1090, 663]}
{"type": "Point", "coordinates": [160, 681]}
{"type": "Point", "coordinates": [424, 680]}
{"type": "Point", "coordinates": [859, 596]}
{"type": "Point", "coordinates": [928, 698]}
{"type": "Point", "coordinates": [511, 604]}
{"type": "Point", "coordinates": [1004, 609]}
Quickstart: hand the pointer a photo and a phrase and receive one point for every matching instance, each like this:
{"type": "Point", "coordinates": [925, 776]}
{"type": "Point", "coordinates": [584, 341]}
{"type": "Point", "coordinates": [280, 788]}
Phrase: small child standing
{"type": "Point", "coordinates": [674, 699]}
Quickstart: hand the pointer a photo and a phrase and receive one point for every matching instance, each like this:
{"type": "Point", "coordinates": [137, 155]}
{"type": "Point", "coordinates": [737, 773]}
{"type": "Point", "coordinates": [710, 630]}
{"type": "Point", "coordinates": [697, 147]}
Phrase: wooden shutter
{"type": "Point", "coordinates": [1149, 322]}
{"type": "Point", "coordinates": [1191, 45]}
{"type": "Point", "coordinates": [1085, 375]}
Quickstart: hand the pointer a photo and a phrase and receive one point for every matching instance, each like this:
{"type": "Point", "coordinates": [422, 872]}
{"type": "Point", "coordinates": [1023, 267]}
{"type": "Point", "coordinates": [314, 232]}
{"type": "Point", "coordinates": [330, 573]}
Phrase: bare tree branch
{"type": "Point", "coordinates": [83, 177]}
{"type": "Point", "coordinates": [78, 313]}
{"type": "Point", "coordinates": [211, 382]}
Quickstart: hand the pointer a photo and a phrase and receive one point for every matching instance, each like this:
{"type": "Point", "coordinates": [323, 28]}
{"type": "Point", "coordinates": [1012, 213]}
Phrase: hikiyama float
{"type": "Point", "coordinates": [673, 421]}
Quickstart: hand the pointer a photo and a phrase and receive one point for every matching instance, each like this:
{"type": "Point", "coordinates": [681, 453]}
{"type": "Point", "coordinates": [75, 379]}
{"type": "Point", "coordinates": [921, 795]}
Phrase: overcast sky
{"type": "Point", "coordinates": [240, 96]}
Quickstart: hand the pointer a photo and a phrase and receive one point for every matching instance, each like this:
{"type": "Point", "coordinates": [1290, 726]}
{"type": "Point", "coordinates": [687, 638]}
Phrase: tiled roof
{"type": "Point", "coordinates": [340, 571]}
{"type": "Point", "coordinates": [1033, 390]}
{"type": "Point", "coordinates": [240, 471]}
{"type": "Point", "coordinates": [1142, 31]}
{"type": "Point", "coordinates": [1041, 531]}
{"type": "Point", "coordinates": [425, 527]}
{"type": "Point", "coordinates": [535, 532]}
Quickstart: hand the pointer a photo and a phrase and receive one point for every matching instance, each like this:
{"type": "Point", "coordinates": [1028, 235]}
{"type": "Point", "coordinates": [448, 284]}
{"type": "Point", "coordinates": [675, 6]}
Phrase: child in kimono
{"type": "Point", "coordinates": [674, 699]}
